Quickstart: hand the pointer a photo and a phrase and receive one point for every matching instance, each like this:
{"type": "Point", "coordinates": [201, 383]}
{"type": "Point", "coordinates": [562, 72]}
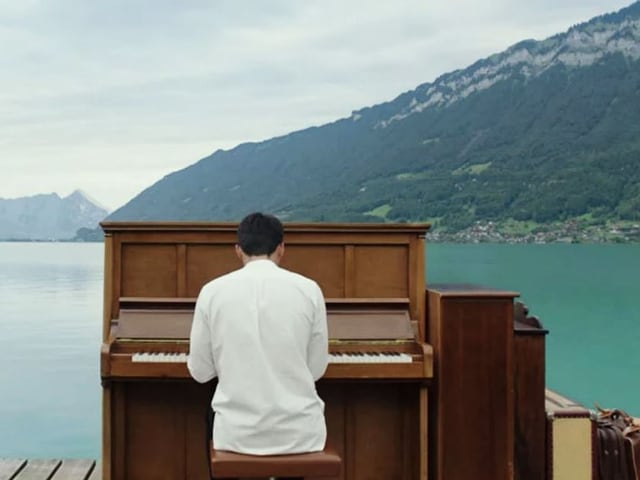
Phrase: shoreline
{"type": "Point", "coordinates": [570, 231]}
{"type": "Point", "coordinates": [583, 231]}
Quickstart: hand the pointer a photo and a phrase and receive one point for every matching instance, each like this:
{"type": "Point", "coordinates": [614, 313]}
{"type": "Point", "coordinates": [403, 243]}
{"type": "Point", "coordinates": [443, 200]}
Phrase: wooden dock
{"type": "Point", "coordinates": [21, 469]}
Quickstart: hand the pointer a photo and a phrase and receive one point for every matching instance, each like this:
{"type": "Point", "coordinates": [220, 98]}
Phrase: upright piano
{"type": "Point", "coordinates": [375, 387]}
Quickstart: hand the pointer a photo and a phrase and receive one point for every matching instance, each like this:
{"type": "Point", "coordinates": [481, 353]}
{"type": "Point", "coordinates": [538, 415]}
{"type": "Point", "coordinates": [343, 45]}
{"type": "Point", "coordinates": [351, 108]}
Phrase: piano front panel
{"type": "Point", "coordinates": [380, 271]}
{"type": "Point", "coordinates": [324, 263]}
{"type": "Point", "coordinates": [204, 262]}
{"type": "Point", "coordinates": [373, 427]}
{"type": "Point", "coordinates": [160, 429]}
{"type": "Point", "coordinates": [157, 260]}
{"type": "Point", "coordinates": [148, 271]}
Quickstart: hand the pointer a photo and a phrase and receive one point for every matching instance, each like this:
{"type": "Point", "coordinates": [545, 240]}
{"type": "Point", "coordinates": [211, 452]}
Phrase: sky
{"type": "Point", "coordinates": [111, 96]}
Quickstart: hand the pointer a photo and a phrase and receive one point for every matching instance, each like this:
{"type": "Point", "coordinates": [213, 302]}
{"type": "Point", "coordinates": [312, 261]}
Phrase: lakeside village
{"type": "Point", "coordinates": [569, 231]}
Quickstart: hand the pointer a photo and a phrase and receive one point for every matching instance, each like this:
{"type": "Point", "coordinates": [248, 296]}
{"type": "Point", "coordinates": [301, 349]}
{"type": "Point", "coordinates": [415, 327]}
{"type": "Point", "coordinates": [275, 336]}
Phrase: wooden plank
{"type": "Point", "coordinates": [349, 271]}
{"type": "Point", "coordinates": [289, 227]}
{"type": "Point", "coordinates": [424, 432]}
{"type": "Point", "coordinates": [96, 473]}
{"type": "Point", "coordinates": [109, 298]}
{"type": "Point", "coordinates": [181, 275]}
{"type": "Point", "coordinates": [529, 396]}
{"type": "Point", "coordinates": [9, 467]}
{"type": "Point", "coordinates": [75, 469]}
{"type": "Point", "coordinates": [38, 470]}
{"type": "Point", "coordinates": [107, 434]}
{"type": "Point", "coordinates": [555, 401]}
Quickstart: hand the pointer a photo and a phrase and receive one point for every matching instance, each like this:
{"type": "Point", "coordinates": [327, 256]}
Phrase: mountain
{"type": "Point", "coordinates": [47, 216]}
{"type": "Point", "coordinates": [544, 131]}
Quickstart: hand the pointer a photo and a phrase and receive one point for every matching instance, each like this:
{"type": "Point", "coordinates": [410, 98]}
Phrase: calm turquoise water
{"type": "Point", "coordinates": [587, 296]}
{"type": "Point", "coordinates": [50, 317]}
{"type": "Point", "coordinates": [51, 304]}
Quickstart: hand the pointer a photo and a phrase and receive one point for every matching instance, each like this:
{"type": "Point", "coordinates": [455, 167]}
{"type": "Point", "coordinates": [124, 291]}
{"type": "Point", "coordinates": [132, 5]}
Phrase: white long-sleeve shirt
{"type": "Point", "coordinates": [262, 330]}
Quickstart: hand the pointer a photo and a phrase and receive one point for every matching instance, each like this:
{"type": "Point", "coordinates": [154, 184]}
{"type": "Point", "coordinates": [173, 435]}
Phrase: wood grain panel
{"type": "Point", "coordinates": [323, 263]}
{"type": "Point", "coordinates": [117, 459]}
{"type": "Point", "coordinates": [206, 262]}
{"type": "Point", "coordinates": [530, 416]}
{"type": "Point", "coordinates": [161, 434]}
{"type": "Point", "coordinates": [149, 270]}
{"type": "Point", "coordinates": [195, 407]}
{"type": "Point", "coordinates": [472, 336]}
{"type": "Point", "coordinates": [335, 412]}
{"type": "Point", "coordinates": [374, 427]}
{"type": "Point", "coordinates": [382, 271]}
{"type": "Point", "coordinates": [155, 425]}
{"type": "Point", "coordinates": [383, 438]}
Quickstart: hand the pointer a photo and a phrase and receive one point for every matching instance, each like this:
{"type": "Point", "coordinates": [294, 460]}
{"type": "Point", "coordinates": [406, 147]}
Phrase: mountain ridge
{"type": "Point", "coordinates": [48, 216]}
{"type": "Point", "coordinates": [535, 134]}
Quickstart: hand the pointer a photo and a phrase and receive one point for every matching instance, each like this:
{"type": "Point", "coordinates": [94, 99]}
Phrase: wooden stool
{"type": "Point", "coordinates": [326, 463]}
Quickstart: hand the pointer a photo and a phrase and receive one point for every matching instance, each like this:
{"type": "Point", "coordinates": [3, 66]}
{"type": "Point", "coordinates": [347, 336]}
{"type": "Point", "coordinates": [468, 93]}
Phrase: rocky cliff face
{"type": "Point", "coordinates": [581, 46]}
{"type": "Point", "coordinates": [48, 216]}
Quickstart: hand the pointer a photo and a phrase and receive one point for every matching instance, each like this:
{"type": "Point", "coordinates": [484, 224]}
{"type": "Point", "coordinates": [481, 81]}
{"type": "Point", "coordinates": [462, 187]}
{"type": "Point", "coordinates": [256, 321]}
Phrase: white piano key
{"type": "Point", "coordinates": [352, 357]}
{"type": "Point", "coordinates": [159, 357]}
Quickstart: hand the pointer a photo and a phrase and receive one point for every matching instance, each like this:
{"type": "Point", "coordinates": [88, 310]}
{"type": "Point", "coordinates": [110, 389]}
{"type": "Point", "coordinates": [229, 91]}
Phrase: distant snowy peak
{"type": "Point", "coordinates": [580, 46]}
{"type": "Point", "coordinates": [48, 217]}
{"type": "Point", "coordinates": [79, 195]}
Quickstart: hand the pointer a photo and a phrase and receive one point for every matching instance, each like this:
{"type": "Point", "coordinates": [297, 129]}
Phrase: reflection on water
{"type": "Point", "coordinates": [50, 316]}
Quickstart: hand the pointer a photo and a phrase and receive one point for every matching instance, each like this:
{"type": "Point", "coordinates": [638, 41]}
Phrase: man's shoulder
{"type": "Point", "coordinates": [220, 281]}
{"type": "Point", "coordinates": [299, 278]}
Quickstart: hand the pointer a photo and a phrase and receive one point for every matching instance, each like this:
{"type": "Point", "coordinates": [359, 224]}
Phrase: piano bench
{"type": "Point", "coordinates": [326, 463]}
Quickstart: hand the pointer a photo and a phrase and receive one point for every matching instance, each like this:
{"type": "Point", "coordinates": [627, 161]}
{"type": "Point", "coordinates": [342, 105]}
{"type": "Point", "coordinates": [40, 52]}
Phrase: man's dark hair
{"type": "Point", "coordinates": [259, 234]}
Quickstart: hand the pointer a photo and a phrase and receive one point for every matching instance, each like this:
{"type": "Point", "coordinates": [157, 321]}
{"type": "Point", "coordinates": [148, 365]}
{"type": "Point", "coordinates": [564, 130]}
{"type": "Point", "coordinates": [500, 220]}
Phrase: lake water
{"type": "Point", "coordinates": [51, 316]}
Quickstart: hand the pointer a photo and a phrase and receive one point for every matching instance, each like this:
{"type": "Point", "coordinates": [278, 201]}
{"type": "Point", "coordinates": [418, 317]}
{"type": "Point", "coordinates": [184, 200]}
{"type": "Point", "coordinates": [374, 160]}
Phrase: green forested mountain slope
{"type": "Point", "coordinates": [542, 132]}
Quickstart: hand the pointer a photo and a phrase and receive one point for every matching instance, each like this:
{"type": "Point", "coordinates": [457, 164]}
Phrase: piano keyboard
{"type": "Point", "coordinates": [159, 357]}
{"type": "Point", "coordinates": [364, 357]}
{"type": "Point", "coordinates": [370, 357]}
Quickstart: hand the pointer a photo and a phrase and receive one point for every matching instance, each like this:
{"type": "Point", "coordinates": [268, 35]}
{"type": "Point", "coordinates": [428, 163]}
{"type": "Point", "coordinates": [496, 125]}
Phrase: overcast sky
{"type": "Point", "coordinates": [110, 96]}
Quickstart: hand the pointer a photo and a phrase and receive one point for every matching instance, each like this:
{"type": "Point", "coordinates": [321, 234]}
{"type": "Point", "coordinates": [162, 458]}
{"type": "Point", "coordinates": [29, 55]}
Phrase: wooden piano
{"type": "Point", "coordinates": [375, 388]}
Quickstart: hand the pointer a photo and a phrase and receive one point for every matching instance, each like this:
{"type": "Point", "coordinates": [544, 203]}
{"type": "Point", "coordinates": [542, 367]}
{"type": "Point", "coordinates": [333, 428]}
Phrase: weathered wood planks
{"type": "Point", "coordinates": [48, 469]}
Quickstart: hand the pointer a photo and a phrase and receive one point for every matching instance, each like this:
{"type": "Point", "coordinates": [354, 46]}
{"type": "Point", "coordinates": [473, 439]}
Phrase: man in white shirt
{"type": "Point", "coordinates": [262, 330]}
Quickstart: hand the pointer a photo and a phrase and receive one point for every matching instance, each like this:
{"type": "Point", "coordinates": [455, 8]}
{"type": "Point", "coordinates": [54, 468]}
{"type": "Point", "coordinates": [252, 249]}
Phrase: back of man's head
{"type": "Point", "coordinates": [259, 234]}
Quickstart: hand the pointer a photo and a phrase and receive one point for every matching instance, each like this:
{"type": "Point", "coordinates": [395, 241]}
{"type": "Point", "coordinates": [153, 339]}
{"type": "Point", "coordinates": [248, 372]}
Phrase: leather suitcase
{"type": "Point", "coordinates": [618, 445]}
{"type": "Point", "coordinates": [571, 443]}
{"type": "Point", "coordinates": [632, 441]}
{"type": "Point", "coordinates": [613, 462]}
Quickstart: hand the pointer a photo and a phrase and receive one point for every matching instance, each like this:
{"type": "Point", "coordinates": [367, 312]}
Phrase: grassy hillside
{"type": "Point", "coordinates": [504, 140]}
